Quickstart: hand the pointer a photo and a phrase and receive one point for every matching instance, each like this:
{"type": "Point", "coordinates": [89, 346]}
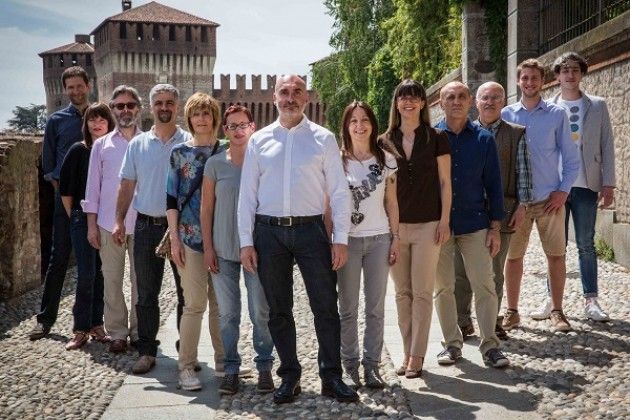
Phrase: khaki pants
{"type": "Point", "coordinates": [414, 279]}
{"type": "Point", "coordinates": [550, 229]}
{"type": "Point", "coordinates": [120, 323]}
{"type": "Point", "coordinates": [198, 294]}
{"type": "Point", "coordinates": [478, 265]}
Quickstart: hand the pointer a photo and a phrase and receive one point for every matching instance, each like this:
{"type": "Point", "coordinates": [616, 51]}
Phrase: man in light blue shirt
{"type": "Point", "coordinates": [550, 145]}
{"type": "Point", "coordinates": [143, 179]}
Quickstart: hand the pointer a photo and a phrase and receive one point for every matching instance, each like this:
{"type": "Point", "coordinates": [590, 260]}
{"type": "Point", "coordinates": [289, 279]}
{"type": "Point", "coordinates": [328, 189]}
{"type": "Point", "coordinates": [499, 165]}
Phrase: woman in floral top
{"type": "Point", "coordinates": [183, 201]}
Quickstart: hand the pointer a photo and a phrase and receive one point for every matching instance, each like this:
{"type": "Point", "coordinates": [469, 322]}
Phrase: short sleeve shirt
{"type": "Point", "coordinates": [367, 180]}
{"type": "Point", "coordinates": [419, 199]}
{"type": "Point", "coordinates": [227, 180]}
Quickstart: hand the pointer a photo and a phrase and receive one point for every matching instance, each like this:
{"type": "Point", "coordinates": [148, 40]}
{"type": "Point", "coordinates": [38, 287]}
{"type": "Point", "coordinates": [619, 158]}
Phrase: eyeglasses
{"type": "Point", "coordinates": [234, 127]}
{"type": "Point", "coordinates": [487, 98]}
{"type": "Point", "coordinates": [130, 106]}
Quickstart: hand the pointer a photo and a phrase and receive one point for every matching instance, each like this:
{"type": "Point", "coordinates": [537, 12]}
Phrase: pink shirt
{"type": "Point", "coordinates": [104, 179]}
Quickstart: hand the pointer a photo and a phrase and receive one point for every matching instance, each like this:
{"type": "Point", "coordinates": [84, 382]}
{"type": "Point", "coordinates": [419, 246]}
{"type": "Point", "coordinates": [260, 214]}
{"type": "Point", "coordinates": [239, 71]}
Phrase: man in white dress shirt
{"type": "Point", "coordinates": [290, 167]}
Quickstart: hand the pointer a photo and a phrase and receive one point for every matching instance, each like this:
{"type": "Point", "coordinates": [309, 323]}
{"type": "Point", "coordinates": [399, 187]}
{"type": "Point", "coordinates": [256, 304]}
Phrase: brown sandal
{"type": "Point", "coordinates": [415, 372]}
{"type": "Point", "coordinates": [403, 367]}
{"type": "Point", "coordinates": [98, 334]}
{"type": "Point", "coordinates": [79, 339]}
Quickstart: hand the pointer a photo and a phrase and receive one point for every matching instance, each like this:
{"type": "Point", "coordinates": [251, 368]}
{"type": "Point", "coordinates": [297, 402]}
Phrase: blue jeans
{"type": "Point", "coordinates": [57, 266]}
{"type": "Point", "coordinates": [149, 274]}
{"type": "Point", "coordinates": [307, 244]}
{"type": "Point", "coordinates": [88, 304]}
{"type": "Point", "coordinates": [582, 204]}
{"type": "Point", "coordinates": [228, 294]}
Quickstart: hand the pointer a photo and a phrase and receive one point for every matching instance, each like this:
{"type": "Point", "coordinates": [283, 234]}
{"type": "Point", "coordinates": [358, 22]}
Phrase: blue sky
{"type": "Point", "coordinates": [255, 37]}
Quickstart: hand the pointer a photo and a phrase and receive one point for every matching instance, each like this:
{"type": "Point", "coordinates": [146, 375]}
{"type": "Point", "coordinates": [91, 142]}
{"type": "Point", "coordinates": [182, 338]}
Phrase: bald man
{"type": "Point", "coordinates": [290, 167]}
{"type": "Point", "coordinates": [516, 178]}
{"type": "Point", "coordinates": [476, 215]}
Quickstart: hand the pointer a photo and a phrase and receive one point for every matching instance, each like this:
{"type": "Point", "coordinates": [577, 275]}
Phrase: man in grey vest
{"type": "Point", "coordinates": [517, 191]}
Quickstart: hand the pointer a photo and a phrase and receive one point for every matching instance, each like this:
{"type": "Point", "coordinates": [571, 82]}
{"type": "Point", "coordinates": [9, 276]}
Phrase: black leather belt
{"type": "Point", "coordinates": [287, 220]}
{"type": "Point", "coordinates": [153, 220]}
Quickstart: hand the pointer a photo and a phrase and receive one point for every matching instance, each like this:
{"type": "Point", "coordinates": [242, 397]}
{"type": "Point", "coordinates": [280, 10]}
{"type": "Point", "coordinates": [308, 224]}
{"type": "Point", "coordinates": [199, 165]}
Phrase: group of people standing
{"type": "Point", "coordinates": [446, 210]}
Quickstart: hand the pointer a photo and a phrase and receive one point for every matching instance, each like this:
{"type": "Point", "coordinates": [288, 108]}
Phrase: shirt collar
{"type": "Point", "coordinates": [442, 126]}
{"type": "Point", "coordinates": [74, 109]}
{"type": "Point", "coordinates": [117, 132]}
{"type": "Point", "coordinates": [178, 132]}
{"type": "Point", "coordinates": [542, 104]}
{"type": "Point", "coordinates": [492, 127]}
{"type": "Point", "coordinates": [303, 122]}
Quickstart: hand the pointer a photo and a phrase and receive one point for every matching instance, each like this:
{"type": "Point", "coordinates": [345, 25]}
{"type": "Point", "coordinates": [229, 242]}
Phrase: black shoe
{"type": "Point", "coordinates": [39, 331]}
{"type": "Point", "coordinates": [229, 384]}
{"type": "Point", "coordinates": [495, 358]}
{"type": "Point", "coordinates": [265, 383]}
{"type": "Point", "coordinates": [372, 378]}
{"type": "Point", "coordinates": [287, 392]}
{"type": "Point", "coordinates": [338, 390]}
{"type": "Point", "coordinates": [467, 331]}
{"type": "Point", "coordinates": [500, 332]}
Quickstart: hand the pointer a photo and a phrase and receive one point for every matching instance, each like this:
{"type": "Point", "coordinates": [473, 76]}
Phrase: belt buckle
{"type": "Point", "coordinates": [283, 218]}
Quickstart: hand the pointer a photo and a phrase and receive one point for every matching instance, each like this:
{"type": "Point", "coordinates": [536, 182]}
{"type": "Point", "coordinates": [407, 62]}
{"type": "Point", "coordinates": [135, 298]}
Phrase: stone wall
{"type": "Point", "coordinates": [19, 215]}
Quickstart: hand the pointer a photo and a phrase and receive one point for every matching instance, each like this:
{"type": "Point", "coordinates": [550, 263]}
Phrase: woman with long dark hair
{"type": "Point", "coordinates": [424, 200]}
{"type": "Point", "coordinates": [88, 304]}
{"type": "Point", "coordinates": [372, 242]}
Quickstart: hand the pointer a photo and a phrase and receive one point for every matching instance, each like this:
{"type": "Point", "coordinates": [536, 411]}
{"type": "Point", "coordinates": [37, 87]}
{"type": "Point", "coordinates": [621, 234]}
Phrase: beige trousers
{"type": "Point", "coordinates": [120, 323]}
{"type": "Point", "coordinates": [414, 279]}
{"type": "Point", "coordinates": [198, 294]}
{"type": "Point", "coordinates": [478, 265]}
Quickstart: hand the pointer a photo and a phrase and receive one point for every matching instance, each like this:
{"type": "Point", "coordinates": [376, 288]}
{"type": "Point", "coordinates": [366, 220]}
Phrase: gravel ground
{"type": "Point", "coordinates": [582, 374]}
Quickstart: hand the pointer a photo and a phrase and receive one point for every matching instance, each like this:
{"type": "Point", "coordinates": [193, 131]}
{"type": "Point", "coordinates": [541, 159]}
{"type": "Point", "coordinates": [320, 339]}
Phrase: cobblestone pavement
{"type": "Point", "coordinates": [582, 374]}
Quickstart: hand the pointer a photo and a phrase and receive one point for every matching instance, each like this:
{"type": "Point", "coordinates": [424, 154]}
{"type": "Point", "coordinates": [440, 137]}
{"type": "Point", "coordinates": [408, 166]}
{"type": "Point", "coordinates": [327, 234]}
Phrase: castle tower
{"type": "Point", "coordinates": [55, 61]}
{"type": "Point", "coordinates": [152, 44]}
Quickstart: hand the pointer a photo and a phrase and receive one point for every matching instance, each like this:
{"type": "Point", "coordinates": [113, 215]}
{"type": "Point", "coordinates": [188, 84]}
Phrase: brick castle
{"type": "Point", "coordinates": [151, 44]}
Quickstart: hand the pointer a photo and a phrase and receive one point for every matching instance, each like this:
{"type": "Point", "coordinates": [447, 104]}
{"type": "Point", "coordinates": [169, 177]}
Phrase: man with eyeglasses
{"type": "Point", "coordinates": [290, 167]}
{"type": "Point", "coordinates": [143, 180]}
{"type": "Point", "coordinates": [99, 204]}
{"type": "Point", "coordinates": [517, 191]}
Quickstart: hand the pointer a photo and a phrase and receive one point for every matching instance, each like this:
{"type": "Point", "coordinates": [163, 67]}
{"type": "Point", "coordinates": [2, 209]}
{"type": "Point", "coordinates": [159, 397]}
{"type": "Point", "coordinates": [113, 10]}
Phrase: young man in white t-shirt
{"type": "Point", "coordinates": [592, 134]}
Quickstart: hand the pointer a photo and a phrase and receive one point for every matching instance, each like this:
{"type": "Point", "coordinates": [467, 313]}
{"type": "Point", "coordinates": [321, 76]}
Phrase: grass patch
{"type": "Point", "coordinates": [604, 251]}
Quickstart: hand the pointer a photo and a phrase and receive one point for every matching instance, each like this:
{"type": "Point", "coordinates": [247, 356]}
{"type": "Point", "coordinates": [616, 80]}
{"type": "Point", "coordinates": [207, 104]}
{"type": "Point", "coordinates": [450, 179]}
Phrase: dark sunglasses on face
{"type": "Point", "coordinates": [130, 106]}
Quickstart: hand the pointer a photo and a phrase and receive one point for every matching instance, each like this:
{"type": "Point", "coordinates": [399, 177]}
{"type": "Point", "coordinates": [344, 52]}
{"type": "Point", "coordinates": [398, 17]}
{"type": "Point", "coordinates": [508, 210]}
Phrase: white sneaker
{"type": "Point", "coordinates": [188, 380]}
{"type": "Point", "coordinates": [219, 371]}
{"type": "Point", "coordinates": [593, 311]}
{"type": "Point", "coordinates": [543, 312]}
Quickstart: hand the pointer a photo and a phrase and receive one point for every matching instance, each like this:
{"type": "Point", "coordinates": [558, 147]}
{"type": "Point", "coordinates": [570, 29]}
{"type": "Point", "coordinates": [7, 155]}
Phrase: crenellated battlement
{"type": "Point", "coordinates": [224, 83]}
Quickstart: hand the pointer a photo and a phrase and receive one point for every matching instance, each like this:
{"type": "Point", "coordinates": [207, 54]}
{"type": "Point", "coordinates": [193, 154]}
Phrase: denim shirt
{"type": "Point", "coordinates": [476, 179]}
{"type": "Point", "coordinates": [63, 129]}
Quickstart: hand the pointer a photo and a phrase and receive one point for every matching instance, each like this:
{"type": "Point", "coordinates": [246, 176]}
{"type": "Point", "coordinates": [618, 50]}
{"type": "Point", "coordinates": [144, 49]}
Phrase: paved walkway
{"type": "Point", "coordinates": [583, 374]}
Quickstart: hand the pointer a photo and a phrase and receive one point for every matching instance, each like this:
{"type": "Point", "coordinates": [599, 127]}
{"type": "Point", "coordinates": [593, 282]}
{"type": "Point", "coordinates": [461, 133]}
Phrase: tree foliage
{"type": "Point", "coordinates": [377, 43]}
{"type": "Point", "coordinates": [28, 119]}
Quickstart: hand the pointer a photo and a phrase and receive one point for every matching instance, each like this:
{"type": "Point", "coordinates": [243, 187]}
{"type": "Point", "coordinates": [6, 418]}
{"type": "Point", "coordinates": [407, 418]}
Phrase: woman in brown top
{"type": "Point", "coordinates": [424, 199]}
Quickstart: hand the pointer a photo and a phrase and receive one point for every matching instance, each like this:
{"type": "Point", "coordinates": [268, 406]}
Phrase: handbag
{"type": "Point", "coordinates": [163, 249]}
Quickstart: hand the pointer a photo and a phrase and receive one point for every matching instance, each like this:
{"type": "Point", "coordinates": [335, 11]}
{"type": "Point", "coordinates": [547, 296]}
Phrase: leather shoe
{"type": "Point", "coordinates": [338, 390]}
{"type": "Point", "coordinates": [118, 346]}
{"type": "Point", "coordinates": [143, 364]}
{"type": "Point", "coordinates": [286, 392]}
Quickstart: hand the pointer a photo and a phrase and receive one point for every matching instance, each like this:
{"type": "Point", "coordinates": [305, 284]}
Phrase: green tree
{"type": "Point", "coordinates": [382, 81]}
{"type": "Point", "coordinates": [28, 119]}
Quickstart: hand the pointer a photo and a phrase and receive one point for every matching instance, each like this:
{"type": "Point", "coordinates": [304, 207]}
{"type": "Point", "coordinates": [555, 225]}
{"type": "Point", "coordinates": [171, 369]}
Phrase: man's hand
{"type": "Point", "coordinates": [555, 201]}
{"type": "Point", "coordinates": [339, 255]}
{"type": "Point", "coordinates": [249, 259]}
{"type": "Point", "coordinates": [94, 237]}
{"type": "Point", "coordinates": [517, 218]}
{"type": "Point", "coordinates": [55, 184]}
{"type": "Point", "coordinates": [493, 242]}
{"type": "Point", "coordinates": [118, 234]}
{"type": "Point", "coordinates": [606, 197]}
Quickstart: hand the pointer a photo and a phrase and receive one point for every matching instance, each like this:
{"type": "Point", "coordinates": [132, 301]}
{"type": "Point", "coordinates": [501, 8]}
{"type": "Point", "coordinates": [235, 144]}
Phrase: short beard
{"type": "Point", "coordinates": [161, 117]}
{"type": "Point", "coordinates": [127, 122]}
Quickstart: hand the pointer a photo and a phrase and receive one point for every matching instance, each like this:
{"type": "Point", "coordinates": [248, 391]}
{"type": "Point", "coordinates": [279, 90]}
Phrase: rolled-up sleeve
{"type": "Point", "coordinates": [248, 195]}
{"type": "Point", "coordinates": [338, 191]}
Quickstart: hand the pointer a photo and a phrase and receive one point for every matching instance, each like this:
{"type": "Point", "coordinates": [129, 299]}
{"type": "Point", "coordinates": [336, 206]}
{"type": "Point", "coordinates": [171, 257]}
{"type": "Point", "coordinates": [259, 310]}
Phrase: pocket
{"type": "Point", "coordinates": [141, 225]}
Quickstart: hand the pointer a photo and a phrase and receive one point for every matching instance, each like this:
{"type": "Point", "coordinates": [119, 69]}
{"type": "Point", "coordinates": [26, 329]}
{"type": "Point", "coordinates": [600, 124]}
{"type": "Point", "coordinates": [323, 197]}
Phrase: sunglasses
{"type": "Point", "coordinates": [130, 106]}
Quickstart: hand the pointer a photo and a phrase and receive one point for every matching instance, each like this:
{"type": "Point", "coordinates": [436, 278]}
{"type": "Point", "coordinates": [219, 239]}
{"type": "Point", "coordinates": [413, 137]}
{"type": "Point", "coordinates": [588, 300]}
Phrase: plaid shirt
{"type": "Point", "coordinates": [524, 185]}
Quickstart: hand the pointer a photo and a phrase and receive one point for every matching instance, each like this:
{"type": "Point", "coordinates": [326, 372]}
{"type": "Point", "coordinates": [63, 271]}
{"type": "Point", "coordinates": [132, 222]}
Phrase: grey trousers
{"type": "Point", "coordinates": [463, 291]}
{"type": "Point", "coordinates": [369, 254]}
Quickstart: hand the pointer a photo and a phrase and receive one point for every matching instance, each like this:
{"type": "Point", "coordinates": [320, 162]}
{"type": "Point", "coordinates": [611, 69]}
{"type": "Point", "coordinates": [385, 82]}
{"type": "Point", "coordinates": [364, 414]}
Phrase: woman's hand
{"type": "Point", "coordinates": [210, 260]}
{"type": "Point", "coordinates": [394, 250]}
{"type": "Point", "coordinates": [442, 232]}
{"type": "Point", "coordinates": [177, 251]}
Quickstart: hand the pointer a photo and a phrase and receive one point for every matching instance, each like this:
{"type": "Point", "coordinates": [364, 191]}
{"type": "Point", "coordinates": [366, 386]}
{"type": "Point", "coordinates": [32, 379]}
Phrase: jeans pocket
{"type": "Point", "coordinates": [141, 225]}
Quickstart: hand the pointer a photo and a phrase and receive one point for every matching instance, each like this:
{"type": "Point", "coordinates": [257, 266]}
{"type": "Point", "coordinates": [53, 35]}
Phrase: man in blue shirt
{"type": "Point", "coordinates": [476, 216]}
{"type": "Point", "coordinates": [550, 145]}
{"type": "Point", "coordinates": [63, 129]}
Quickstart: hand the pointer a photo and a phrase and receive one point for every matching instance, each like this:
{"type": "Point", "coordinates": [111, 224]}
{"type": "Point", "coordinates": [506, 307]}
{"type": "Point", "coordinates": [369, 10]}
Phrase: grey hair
{"type": "Point", "coordinates": [490, 84]}
{"type": "Point", "coordinates": [119, 90]}
{"type": "Point", "coordinates": [160, 88]}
